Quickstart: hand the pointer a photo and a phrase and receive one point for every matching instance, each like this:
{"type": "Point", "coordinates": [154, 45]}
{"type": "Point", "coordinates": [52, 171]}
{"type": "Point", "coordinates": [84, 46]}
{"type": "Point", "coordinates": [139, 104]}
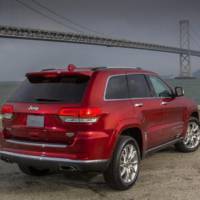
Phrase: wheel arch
{"type": "Point", "coordinates": [195, 114]}
{"type": "Point", "coordinates": [134, 132]}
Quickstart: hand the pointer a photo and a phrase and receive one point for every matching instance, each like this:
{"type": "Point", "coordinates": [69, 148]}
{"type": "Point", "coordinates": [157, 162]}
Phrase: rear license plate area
{"type": "Point", "coordinates": [35, 121]}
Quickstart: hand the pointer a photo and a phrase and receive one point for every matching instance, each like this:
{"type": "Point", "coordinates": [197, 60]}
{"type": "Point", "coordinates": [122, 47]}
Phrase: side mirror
{"type": "Point", "coordinates": [179, 91]}
{"type": "Point", "coordinates": [165, 94]}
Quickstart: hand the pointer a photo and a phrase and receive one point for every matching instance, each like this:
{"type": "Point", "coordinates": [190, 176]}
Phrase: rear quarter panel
{"type": "Point", "coordinates": [118, 114]}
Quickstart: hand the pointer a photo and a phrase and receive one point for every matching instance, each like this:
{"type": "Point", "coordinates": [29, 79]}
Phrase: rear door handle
{"type": "Point", "coordinates": [163, 103]}
{"type": "Point", "coordinates": [138, 104]}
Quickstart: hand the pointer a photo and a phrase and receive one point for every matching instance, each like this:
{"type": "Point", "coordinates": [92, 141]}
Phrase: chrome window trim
{"type": "Point", "coordinates": [106, 86]}
{"type": "Point", "coordinates": [38, 144]}
{"type": "Point", "coordinates": [125, 99]}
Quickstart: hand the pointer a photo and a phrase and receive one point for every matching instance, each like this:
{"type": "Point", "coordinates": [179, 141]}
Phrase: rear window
{"type": "Point", "coordinates": [68, 89]}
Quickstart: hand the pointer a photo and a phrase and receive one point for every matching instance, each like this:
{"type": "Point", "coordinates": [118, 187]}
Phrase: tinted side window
{"type": "Point", "coordinates": [117, 88]}
{"type": "Point", "coordinates": [161, 88]}
{"type": "Point", "coordinates": [138, 87]}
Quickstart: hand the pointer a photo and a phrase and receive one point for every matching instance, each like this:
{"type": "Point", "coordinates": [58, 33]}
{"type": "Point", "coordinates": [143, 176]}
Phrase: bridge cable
{"type": "Point", "coordinates": [67, 19]}
{"type": "Point", "coordinates": [48, 17]}
{"type": "Point", "coordinates": [195, 37]}
{"type": "Point", "coordinates": [196, 42]}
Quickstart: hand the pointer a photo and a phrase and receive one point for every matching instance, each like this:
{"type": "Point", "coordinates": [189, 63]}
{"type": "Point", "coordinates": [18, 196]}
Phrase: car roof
{"type": "Point", "coordinates": [88, 71]}
{"type": "Point", "coordinates": [128, 70]}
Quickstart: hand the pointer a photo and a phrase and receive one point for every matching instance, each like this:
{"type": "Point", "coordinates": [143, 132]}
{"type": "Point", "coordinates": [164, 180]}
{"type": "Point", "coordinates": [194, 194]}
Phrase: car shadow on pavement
{"type": "Point", "coordinates": [92, 181]}
{"type": "Point", "coordinates": [11, 179]}
{"type": "Point", "coordinates": [170, 149]}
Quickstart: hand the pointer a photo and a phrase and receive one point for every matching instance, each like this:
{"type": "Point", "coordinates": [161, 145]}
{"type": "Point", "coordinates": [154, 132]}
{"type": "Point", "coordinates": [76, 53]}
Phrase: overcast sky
{"type": "Point", "coordinates": [154, 21]}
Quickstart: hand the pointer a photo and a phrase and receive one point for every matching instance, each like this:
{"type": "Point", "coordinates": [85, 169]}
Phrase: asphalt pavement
{"type": "Point", "coordinates": [165, 175]}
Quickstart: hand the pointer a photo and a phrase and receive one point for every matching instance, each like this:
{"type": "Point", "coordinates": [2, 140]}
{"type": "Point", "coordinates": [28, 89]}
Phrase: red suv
{"type": "Point", "coordinates": [95, 119]}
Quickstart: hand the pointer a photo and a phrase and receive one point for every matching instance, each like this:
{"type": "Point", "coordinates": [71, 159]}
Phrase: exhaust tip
{"type": "Point", "coordinates": [6, 159]}
{"type": "Point", "coordinates": [69, 168]}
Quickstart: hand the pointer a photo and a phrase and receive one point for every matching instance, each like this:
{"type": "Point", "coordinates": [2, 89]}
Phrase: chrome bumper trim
{"type": "Point", "coordinates": [49, 159]}
{"type": "Point", "coordinates": [39, 144]}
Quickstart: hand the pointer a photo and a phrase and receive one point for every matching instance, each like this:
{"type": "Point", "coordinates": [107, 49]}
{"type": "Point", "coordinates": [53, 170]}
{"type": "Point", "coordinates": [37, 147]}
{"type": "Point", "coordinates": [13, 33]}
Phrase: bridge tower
{"type": "Point", "coordinates": [185, 63]}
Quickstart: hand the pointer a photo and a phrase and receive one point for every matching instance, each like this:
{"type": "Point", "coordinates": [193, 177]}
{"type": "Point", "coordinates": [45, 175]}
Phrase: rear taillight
{"type": "Point", "coordinates": [7, 111]}
{"type": "Point", "coordinates": [82, 115]}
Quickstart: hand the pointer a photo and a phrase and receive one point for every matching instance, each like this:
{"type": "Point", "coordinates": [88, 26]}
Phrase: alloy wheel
{"type": "Point", "coordinates": [192, 138]}
{"type": "Point", "coordinates": [129, 163]}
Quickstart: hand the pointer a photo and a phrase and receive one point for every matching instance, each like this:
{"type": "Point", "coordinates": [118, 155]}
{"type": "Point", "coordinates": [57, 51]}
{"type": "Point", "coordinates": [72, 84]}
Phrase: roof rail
{"type": "Point", "coordinates": [47, 69]}
{"type": "Point", "coordinates": [98, 68]}
{"type": "Point", "coordinates": [116, 67]}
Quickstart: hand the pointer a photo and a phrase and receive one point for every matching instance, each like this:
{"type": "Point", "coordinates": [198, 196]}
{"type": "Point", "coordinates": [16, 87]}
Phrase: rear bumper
{"type": "Point", "coordinates": [86, 146]}
{"type": "Point", "coordinates": [81, 165]}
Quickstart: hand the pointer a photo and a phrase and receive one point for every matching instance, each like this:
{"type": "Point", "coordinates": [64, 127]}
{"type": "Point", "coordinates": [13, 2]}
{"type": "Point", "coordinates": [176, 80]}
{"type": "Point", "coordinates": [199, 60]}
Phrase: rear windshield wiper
{"type": "Point", "coordinates": [46, 99]}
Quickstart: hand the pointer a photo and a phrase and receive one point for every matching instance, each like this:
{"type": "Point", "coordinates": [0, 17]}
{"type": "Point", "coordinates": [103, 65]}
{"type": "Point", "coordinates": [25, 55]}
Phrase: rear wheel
{"type": "Point", "coordinates": [34, 171]}
{"type": "Point", "coordinates": [192, 139]}
{"type": "Point", "coordinates": [123, 170]}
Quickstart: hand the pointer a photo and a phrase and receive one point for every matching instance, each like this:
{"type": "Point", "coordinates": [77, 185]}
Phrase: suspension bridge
{"type": "Point", "coordinates": [183, 51]}
{"type": "Point", "coordinates": [54, 36]}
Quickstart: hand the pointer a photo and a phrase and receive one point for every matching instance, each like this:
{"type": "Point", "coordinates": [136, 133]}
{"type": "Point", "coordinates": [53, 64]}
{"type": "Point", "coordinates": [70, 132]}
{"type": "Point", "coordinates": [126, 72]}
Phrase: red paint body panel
{"type": "Point", "coordinates": [95, 141]}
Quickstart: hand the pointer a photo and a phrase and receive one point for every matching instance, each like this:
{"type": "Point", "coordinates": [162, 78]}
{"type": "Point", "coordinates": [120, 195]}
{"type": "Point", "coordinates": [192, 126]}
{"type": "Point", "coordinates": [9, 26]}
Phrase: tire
{"type": "Point", "coordinates": [115, 175]}
{"type": "Point", "coordinates": [191, 141]}
{"type": "Point", "coordinates": [34, 171]}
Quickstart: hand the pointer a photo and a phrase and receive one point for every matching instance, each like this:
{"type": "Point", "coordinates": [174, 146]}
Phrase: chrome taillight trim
{"type": "Point", "coordinates": [70, 119]}
{"type": "Point", "coordinates": [7, 116]}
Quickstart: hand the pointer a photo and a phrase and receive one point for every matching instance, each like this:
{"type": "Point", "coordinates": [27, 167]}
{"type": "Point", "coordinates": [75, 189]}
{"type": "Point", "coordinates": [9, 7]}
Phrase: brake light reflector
{"type": "Point", "coordinates": [73, 112]}
{"type": "Point", "coordinates": [85, 115]}
{"type": "Point", "coordinates": [7, 111]}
